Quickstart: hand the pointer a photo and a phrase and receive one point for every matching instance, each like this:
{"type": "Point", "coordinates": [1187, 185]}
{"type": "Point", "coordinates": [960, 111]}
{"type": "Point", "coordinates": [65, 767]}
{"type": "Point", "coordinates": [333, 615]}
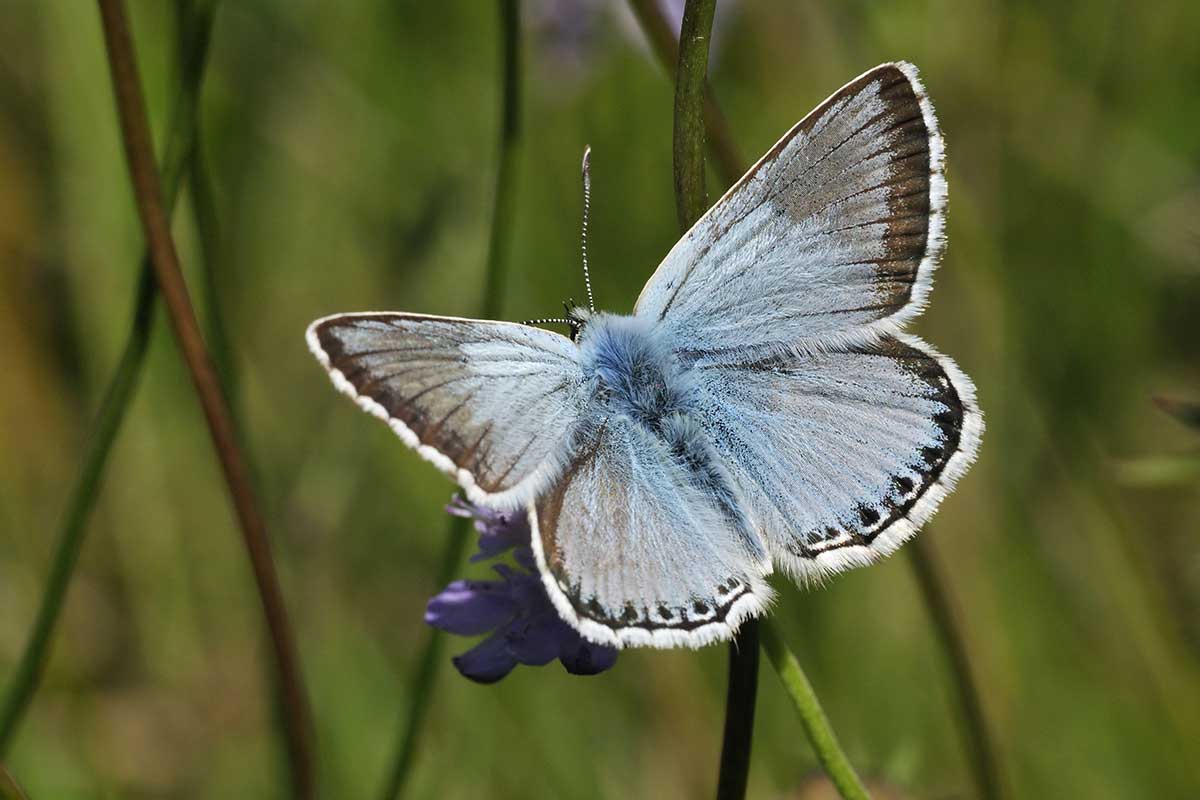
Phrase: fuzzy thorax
{"type": "Point", "coordinates": [634, 373]}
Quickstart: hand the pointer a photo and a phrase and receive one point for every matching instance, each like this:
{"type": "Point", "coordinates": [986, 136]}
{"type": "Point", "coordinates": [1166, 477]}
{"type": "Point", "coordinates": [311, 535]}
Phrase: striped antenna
{"type": "Point", "coordinates": [587, 202]}
{"type": "Point", "coordinates": [550, 321]}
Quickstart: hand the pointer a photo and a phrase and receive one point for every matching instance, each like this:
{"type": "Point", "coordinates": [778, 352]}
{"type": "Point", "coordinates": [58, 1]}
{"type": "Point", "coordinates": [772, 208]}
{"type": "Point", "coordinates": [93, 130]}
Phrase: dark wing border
{"type": "Point", "coordinates": [714, 621]}
{"type": "Point", "coordinates": [883, 536]}
{"type": "Point", "coordinates": [935, 240]}
{"type": "Point", "coordinates": [514, 496]}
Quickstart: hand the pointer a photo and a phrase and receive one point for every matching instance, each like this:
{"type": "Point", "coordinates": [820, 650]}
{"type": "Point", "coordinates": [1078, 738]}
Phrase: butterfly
{"type": "Point", "coordinates": [761, 408]}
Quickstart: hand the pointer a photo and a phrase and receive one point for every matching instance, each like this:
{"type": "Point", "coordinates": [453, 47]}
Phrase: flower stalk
{"type": "Point", "coordinates": [421, 685]}
{"type": "Point", "coordinates": [662, 40]}
{"type": "Point", "coordinates": [691, 201]}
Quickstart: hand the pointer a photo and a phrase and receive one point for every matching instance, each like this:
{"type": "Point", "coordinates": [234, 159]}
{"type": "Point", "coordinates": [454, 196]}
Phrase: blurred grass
{"type": "Point", "coordinates": [421, 688]}
{"type": "Point", "coordinates": [351, 149]}
{"type": "Point", "coordinates": [195, 28]}
{"type": "Point", "coordinates": [9, 789]}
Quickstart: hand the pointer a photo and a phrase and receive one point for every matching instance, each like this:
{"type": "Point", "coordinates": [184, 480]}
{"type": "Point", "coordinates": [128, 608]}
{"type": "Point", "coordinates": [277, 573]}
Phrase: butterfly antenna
{"type": "Point", "coordinates": [550, 321]}
{"type": "Point", "coordinates": [587, 202]}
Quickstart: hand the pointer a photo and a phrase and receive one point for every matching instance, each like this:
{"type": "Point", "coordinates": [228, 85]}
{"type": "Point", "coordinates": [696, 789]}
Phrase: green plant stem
{"type": "Point", "coordinates": [144, 177]}
{"type": "Point", "coordinates": [739, 716]}
{"type": "Point", "coordinates": [220, 345]}
{"type": "Point", "coordinates": [216, 331]}
{"type": "Point", "coordinates": [197, 29]}
{"type": "Point", "coordinates": [204, 207]}
{"type": "Point", "coordinates": [691, 200]}
{"type": "Point", "coordinates": [937, 600]}
{"type": "Point", "coordinates": [662, 40]}
{"type": "Point", "coordinates": [425, 674]}
{"type": "Point", "coordinates": [812, 717]}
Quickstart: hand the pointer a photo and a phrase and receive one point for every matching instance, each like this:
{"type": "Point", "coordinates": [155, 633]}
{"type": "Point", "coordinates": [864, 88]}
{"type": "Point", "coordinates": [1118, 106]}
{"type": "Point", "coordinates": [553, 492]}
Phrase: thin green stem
{"type": "Point", "coordinates": [216, 331]}
{"type": "Point", "coordinates": [197, 28]}
{"type": "Point", "coordinates": [691, 200]}
{"type": "Point", "coordinates": [812, 717]}
{"type": "Point", "coordinates": [147, 189]}
{"type": "Point", "coordinates": [984, 768]}
{"type": "Point", "coordinates": [654, 22]}
{"type": "Point", "coordinates": [420, 692]}
{"type": "Point", "coordinates": [424, 676]}
{"type": "Point", "coordinates": [204, 207]}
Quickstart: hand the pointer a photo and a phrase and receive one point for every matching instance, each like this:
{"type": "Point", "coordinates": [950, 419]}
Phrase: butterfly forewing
{"type": "Point", "coordinates": [487, 402]}
{"type": "Point", "coordinates": [830, 239]}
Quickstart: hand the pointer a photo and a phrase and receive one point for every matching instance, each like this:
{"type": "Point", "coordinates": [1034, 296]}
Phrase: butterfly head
{"type": "Point", "coordinates": [577, 316]}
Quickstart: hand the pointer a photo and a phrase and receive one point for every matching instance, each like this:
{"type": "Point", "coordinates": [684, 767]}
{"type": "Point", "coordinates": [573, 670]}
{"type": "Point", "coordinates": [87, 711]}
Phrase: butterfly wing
{"type": "Point", "coordinates": [633, 550]}
{"type": "Point", "coordinates": [842, 456]}
{"type": "Point", "coordinates": [487, 402]}
{"type": "Point", "coordinates": [831, 238]}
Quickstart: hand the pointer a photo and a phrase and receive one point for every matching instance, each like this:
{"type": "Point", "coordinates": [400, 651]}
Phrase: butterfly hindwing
{"type": "Point", "coordinates": [831, 238]}
{"type": "Point", "coordinates": [634, 550]}
{"type": "Point", "coordinates": [841, 456]}
{"type": "Point", "coordinates": [486, 402]}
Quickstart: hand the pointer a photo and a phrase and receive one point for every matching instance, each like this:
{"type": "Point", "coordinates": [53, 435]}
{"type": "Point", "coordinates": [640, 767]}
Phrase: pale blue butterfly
{"type": "Point", "coordinates": [760, 408]}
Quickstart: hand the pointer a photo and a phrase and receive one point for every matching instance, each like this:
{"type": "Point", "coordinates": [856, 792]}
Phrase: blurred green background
{"type": "Point", "coordinates": [353, 147]}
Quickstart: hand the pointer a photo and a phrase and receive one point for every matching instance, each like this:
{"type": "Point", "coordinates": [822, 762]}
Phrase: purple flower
{"type": "Point", "coordinates": [498, 531]}
{"type": "Point", "coordinates": [525, 628]}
